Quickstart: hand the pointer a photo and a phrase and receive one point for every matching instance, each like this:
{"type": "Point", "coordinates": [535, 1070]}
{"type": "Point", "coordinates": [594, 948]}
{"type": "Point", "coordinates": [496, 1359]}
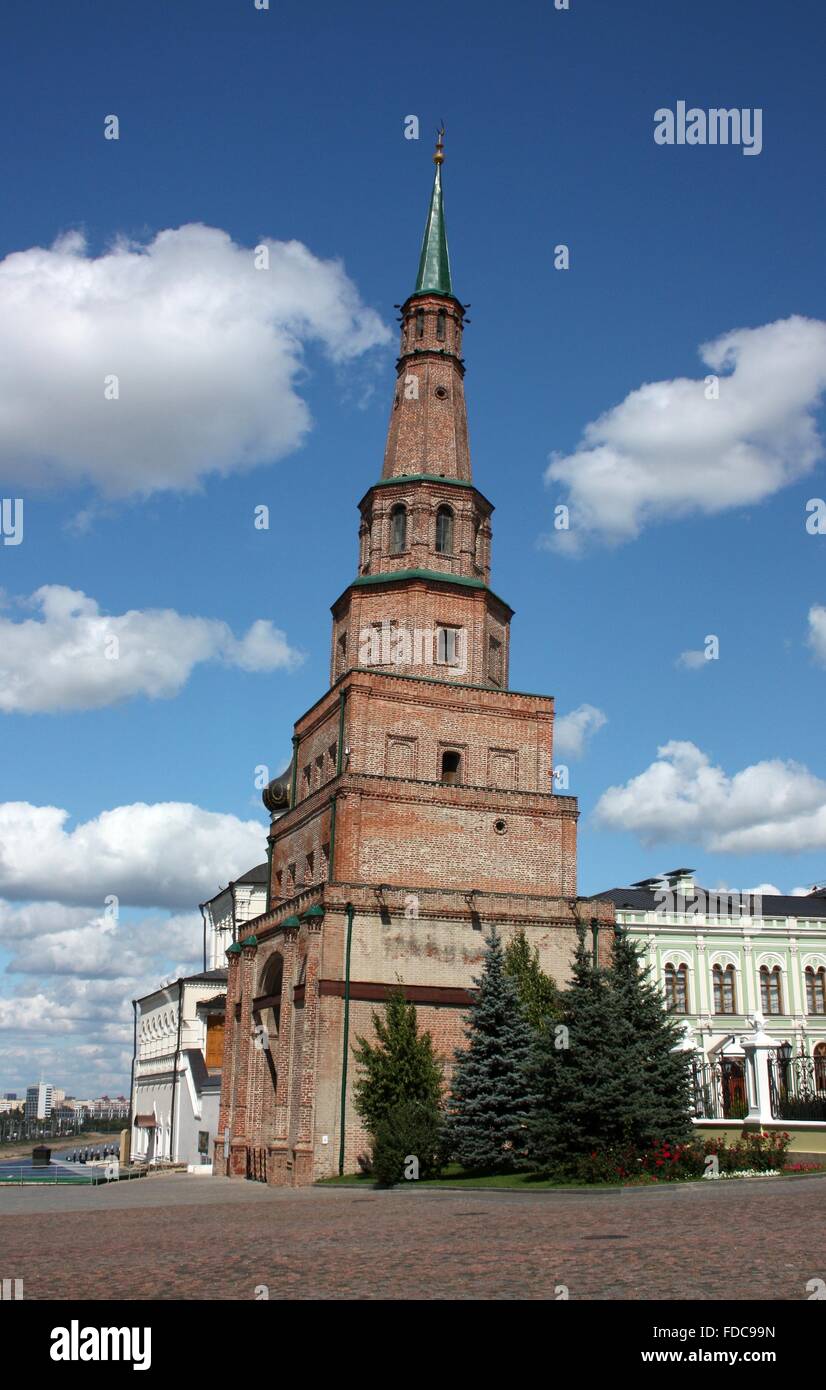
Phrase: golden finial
{"type": "Point", "coordinates": [439, 156]}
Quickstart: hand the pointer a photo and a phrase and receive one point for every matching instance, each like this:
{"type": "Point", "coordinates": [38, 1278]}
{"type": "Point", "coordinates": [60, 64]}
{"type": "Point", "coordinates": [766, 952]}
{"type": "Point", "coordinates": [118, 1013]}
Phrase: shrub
{"type": "Point", "coordinates": [409, 1130]}
{"type": "Point", "coordinates": [669, 1161]}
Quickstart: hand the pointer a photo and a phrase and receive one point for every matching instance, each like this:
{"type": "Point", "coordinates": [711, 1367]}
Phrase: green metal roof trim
{"type": "Point", "coordinates": [390, 575]}
{"type": "Point", "coordinates": [434, 263]}
{"type": "Point", "coordinates": [249, 941]}
{"type": "Point", "coordinates": [423, 478]}
{"type": "Point", "coordinates": [316, 911]}
{"type": "Point", "coordinates": [234, 949]}
{"type": "Point", "coordinates": [291, 922]}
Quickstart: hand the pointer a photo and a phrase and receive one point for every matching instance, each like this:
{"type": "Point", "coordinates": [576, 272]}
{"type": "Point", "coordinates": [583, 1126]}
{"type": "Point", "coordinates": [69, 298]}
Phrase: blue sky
{"type": "Point", "coordinates": [283, 126]}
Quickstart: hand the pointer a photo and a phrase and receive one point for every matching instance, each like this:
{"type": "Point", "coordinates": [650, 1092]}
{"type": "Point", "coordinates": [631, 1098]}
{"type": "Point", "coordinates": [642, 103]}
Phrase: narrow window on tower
{"type": "Point", "coordinates": [398, 530]}
{"type": "Point", "coordinates": [451, 768]}
{"type": "Point", "coordinates": [495, 660]}
{"type": "Point", "coordinates": [341, 654]}
{"type": "Point", "coordinates": [420, 323]}
{"type": "Point", "coordinates": [448, 646]}
{"type": "Point", "coordinates": [444, 531]}
{"type": "Point", "coordinates": [440, 325]}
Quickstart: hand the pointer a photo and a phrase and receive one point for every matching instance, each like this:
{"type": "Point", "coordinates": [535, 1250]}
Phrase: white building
{"type": "Point", "coordinates": [177, 1069]}
{"type": "Point", "coordinates": [179, 1039]}
{"type": "Point", "coordinates": [722, 958]}
{"type": "Point", "coordinates": [241, 900]}
{"type": "Point", "coordinates": [38, 1102]}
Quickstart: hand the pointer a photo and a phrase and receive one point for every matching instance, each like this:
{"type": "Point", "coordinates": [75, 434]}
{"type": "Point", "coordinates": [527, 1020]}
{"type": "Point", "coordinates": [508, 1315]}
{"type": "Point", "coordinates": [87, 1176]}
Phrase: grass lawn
{"type": "Point", "coordinates": [454, 1176]}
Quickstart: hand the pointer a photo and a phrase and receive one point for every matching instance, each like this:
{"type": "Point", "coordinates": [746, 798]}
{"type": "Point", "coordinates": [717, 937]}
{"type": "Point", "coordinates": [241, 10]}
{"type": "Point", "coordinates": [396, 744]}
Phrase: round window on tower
{"type": "Point", "coordinates": [441, 393]}
{"type": "Point", "coordinates": [500, 826]}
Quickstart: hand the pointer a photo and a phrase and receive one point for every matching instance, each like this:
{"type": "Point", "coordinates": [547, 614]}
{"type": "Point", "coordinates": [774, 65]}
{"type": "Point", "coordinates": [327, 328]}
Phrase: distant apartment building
{"type": "Point", "coordinates": [38, 1102]}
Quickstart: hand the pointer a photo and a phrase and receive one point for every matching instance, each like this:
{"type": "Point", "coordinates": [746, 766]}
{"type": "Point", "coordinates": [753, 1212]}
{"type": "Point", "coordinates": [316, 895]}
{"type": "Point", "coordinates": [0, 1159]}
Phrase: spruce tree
{"type": "Point", "coordinates": [578, 1072]}
{"type": "Point", "coordinates": [538, 993]}
{"type": "Point", "coordinates": [490, 1099]}
{"type": "Point", "coordinates": [657, 1097]}
{"type": "Point", "coordinates": [614, 1081]}
{"type": "Point", "coordinates": [400, 1066]}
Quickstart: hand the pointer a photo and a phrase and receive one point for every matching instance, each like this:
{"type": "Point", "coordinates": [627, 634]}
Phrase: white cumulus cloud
{"type": "Point", "coordinates": [817, 632]}
{"type": "Point", "coordinates": [774, 806]}
{"type": "Point", "coordinates": [692, 660]}
{"type": "Point", "coordinates": [572, 731]}
{"type": "Point", "coordinates": [208, 352]}
{"type": "Point", "coordinates": [667, 451]}
{"type": "Point", "coordinates": [73, 657]}
{"type": "Point", "coordinates": [170, 854]}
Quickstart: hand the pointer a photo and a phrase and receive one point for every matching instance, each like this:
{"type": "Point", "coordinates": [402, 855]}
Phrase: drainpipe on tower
{"type": "Point", "coordinates": [351, 912]}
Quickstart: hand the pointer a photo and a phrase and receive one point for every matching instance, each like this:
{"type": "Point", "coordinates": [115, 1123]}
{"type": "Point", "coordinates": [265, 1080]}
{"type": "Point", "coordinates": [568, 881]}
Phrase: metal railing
{"type": "Point", "coordinates": [719, 1090]}
{"type": "Point", "coordinates": [797, 1086]}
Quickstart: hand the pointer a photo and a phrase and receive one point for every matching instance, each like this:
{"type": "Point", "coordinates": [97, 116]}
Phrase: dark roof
{"type": "Point", "coordinates": [772, 905]}
{"type": "Point", "coordinates": [214, 1002]}
{"type": "Point", "coordinates": [256, 875]}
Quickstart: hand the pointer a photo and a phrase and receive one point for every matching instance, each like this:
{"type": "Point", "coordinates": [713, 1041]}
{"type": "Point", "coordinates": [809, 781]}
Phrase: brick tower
{"type": "Point", "coordinates": [418, 808]}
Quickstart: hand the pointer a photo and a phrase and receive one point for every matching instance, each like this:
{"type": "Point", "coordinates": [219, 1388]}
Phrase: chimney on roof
{"type": "Point", "coordinates": [681, 881]}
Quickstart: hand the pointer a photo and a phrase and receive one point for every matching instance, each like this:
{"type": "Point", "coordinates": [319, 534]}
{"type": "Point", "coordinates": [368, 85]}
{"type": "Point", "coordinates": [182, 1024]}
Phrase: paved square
{"type": "Point", "coordinates": [183, 1237]}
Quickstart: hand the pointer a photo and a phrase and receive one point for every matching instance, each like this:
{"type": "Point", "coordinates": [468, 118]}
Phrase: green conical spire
{"type": "Point", "coordinates": [434, 263]}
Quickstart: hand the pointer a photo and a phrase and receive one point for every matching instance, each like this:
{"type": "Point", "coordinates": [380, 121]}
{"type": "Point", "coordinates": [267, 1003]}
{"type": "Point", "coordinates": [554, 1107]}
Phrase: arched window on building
{"type": "Point", "coordinates": [440, 325]}
{"type": "Point", "coordinates": [398, 529]}
{"type": "Point", "coordinates": [725, 993]}
{"type": "Point", "coordinates": [820, 1068]}
{"type": "Point", "coordinates": [444, 531]}
{"type": "Point", "coordinates": [420, 323]}
{"type": "Point", "coordinates": [771, 993]}
{"type": "Point", "coordinates": [676, 989]}
{"type": "Point", "coordinates": [815, 990]}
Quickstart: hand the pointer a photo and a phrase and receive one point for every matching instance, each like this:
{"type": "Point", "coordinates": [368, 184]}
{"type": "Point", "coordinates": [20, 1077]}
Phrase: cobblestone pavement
{"type": "Point", "coordinates": [182, 1237]}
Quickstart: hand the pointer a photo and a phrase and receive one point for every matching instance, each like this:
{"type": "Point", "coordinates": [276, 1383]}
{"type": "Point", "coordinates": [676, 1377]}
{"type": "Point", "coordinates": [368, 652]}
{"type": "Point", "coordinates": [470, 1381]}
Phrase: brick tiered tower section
{"type": "Point", "coordinates": [419, 804]}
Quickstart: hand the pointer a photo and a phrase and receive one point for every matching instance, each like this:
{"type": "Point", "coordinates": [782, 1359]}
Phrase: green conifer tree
{"type": "Point", "coordinates": [609, 1077]}
{"type": "Point", "coordinates": [400, 1066]}
{"type": "Point", "coordinates": [578, 1074]}
{"type": "Point", "coordinates": [490, 1100]}
{"type": "Point", "coordinates": [538, 992]}
{"type": "Point", "coordinates": [657, 1096]}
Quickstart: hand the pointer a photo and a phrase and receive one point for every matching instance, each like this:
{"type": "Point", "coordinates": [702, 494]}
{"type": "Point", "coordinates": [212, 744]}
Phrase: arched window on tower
{"type": "Point", "coordinates": [444, 531]}
{"type": "Point", "coordinates": [398, 529]}
{"type": "Point", "coordinates": [440, 325]}
{"type": "Point", "coordinates": [420, 323]}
